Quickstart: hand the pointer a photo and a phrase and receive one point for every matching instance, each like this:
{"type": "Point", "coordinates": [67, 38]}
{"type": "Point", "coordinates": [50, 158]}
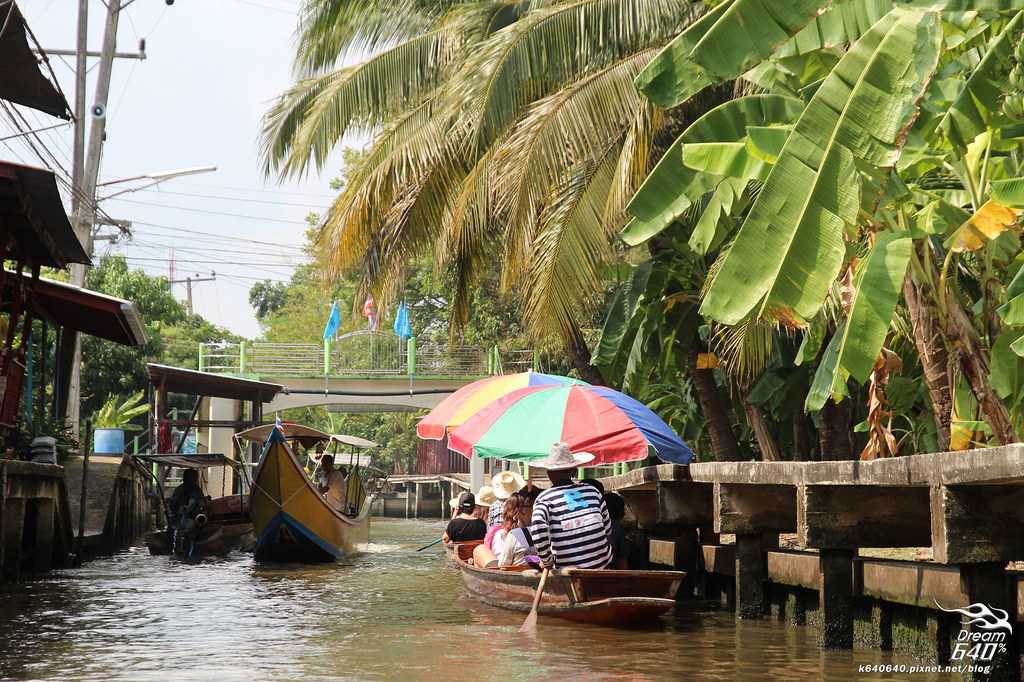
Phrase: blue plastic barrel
{"type": "Point", "coordinates": [108, 441]}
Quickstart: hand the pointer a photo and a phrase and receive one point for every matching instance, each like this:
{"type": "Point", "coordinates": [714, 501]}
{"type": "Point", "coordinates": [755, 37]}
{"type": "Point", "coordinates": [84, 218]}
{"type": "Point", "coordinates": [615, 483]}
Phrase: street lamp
{"type": "Point", "coordinates": [155, 179]}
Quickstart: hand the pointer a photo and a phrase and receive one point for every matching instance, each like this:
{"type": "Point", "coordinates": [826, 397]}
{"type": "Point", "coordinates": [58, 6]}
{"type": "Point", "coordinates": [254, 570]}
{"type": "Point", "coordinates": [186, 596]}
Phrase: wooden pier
{"type": "Point", "coordinates": [967, 508]}
{"type": "Point", "coordinates": [35, 523]}
{"type": "Point", "coordinates": [412, 497]}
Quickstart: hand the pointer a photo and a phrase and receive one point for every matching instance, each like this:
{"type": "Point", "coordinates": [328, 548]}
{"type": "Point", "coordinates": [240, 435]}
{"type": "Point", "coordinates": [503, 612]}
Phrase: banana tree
{"type": "Point", "coordinates": [900, 170]}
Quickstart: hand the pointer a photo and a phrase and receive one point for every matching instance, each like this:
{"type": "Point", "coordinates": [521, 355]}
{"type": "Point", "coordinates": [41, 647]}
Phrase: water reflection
{"type": "Point", "coordinates": [389, 613]}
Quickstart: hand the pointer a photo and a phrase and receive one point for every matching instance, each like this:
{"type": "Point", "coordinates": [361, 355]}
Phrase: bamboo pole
{"type": "Point", "coordinates": [84, 494]}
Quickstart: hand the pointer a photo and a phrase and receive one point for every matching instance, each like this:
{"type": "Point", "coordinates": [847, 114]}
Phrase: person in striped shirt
{"type": "Point", "coordinates": [570, 525]}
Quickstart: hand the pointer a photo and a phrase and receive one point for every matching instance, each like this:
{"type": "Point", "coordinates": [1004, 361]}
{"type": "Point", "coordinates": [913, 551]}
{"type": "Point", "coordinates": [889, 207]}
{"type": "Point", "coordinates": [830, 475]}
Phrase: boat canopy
{"type": "Point", "coordinates": [354, 441]}
{"type": "Point", "coordinates": [307, 436]}
{"type": "Point", "coordinates": [203, 460]}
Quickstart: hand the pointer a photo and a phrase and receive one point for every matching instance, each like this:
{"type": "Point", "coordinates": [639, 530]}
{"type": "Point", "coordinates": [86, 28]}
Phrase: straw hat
{"type": "Point", "coordinates": [507, 482]}
{"type": "Point", "coordinates": [561, 458]}
{"type": "Point", "coordinates": [485, 496]}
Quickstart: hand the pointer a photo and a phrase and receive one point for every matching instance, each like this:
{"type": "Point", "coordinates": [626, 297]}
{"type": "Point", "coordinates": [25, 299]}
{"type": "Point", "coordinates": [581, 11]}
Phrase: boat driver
{"type": "Point", "coordinates": [333, 489]}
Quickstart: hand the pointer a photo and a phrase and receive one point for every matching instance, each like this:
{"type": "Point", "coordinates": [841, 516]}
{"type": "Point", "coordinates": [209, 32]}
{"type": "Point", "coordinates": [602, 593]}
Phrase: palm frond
{"type": "Point", "coordinates": [330, 30]}
{"type": "Point", "coordinates": [572, 244]}
{"type": "Point", "coordinates": [552, 46]}
{"type": "Point", "coordinates": [313, 116]}
{"type": "Point", "coordinates": [556, 132]}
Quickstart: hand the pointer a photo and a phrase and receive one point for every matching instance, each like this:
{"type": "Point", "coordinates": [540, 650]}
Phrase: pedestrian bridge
{"type": "Point", "coordinates": [362, 371]}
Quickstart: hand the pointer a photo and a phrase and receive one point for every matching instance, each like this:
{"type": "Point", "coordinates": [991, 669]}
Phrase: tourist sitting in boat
{"type": "Point", "coordinates": [504, 484]}
{"type": "Point", "coordinates": [512, 544]}
{"type": "Point", "coordinates": [484, 501]}
{"type": "Point", "coordinates": [466, 526]}
{"type": "Point", "coordinates": [334, 489]}
{"type": "Point", "coordinates": [620, 546]}
{"type": "Point", "coordinates": [570, 523]}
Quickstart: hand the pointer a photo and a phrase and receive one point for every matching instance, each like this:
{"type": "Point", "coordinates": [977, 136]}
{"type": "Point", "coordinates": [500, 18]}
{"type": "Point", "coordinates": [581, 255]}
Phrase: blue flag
{"type": "Point", "coordinates": [403, 327]}
{"type": "Point", "coordinates": [333, 322]}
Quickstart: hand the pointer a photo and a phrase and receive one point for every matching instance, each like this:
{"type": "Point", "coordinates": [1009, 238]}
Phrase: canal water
{"type": "Point", "coordinates": [390, 613]}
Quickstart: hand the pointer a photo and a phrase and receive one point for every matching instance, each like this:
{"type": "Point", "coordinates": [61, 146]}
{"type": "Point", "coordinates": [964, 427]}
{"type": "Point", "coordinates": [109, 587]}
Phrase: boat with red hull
{"type": "Point", "coordinates": [602, 597]}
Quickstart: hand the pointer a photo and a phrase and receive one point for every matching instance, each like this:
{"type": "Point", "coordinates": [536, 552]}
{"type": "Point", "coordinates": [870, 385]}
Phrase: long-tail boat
{"type": "Point", "coordinates": [291, 519]}
{"type": "Point", "coordinates": [601, 597]}
{"type": "Point", "coordinates": [224, 523]}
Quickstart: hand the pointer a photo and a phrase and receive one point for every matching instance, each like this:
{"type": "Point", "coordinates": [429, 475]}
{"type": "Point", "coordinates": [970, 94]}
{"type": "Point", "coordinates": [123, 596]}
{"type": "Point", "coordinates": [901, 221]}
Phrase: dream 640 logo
{"type": "Point", "coordinates": [991, 629]}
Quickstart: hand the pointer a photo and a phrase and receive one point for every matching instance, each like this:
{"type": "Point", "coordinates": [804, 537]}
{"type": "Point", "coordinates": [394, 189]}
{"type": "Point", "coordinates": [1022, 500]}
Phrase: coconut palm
{"type": "Point", "coordinates": [502, 132]}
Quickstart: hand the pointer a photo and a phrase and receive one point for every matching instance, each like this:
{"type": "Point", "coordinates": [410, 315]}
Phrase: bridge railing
{"type": "Point", "coordinates": [360, 353]}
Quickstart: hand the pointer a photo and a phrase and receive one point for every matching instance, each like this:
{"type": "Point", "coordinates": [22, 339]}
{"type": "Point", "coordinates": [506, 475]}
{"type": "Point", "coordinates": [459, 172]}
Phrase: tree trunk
{"type": "Point", "coordinates": [715, 408]}
{"type": "Point", "coordinates": [766, 443]}
{"type": "Point", "coordinates": [834, 435]}
{"type": "Point", "coordinates": [974, 363]}
{"type": "Point", "coordinates": [801, 437]}
{"type": "Point", "coordinates": [579, 356]}
{"type": "Point", "coordinates": [931, 349]}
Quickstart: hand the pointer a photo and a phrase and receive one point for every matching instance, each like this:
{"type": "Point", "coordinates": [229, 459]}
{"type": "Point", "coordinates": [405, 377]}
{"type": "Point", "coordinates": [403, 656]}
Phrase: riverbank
{"type": "Point", "coordinates": [388, 613]}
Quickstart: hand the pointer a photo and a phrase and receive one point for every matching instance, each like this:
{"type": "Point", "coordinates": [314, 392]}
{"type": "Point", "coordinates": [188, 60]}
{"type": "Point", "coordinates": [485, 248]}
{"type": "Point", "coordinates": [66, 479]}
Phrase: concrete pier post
{"type": "Point", "coordinates": [751, 576]}
{"type": "Point", "coordinates": [42, 557]}
{"type": "Point", "coordinates": [416, 502]}
{"type": "Point", "coordinates": [14, 525]}
{"type": "Point", "coordinates": [836, 598]}
{"type": "Point", "coordinates": [987, 584]}
{"type": "Point", "coordinates": [408, 500]}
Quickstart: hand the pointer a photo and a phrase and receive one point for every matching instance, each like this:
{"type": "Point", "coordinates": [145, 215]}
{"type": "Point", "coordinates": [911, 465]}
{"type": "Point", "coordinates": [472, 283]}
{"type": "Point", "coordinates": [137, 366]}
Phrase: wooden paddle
{"type": "Point", "coordinates": [530, 624]}
{"type": "Point", "coordinates": [430, 545]}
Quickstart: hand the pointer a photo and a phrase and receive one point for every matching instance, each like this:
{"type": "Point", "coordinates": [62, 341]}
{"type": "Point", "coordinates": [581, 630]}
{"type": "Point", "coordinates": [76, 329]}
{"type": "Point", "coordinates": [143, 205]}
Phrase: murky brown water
{"type": "Point", "coordinates": [390, 613]}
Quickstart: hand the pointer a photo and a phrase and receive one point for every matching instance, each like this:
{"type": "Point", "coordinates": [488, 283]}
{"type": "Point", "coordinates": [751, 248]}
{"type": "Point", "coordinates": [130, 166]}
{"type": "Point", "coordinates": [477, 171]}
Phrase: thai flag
{"type": "Point", "coordinates": [278, 424]}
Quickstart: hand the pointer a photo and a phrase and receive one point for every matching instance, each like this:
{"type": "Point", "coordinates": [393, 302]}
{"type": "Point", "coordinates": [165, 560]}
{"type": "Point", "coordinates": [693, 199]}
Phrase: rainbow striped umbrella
{"type": "Point", "coordinates": [471, 398]}
{"type": "Point", "coordinates": [524, 424]}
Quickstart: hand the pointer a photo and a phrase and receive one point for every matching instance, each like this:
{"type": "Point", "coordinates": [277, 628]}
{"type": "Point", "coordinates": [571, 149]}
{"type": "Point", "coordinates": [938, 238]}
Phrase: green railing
{"type": "Point", "coordinates": [361, 353]}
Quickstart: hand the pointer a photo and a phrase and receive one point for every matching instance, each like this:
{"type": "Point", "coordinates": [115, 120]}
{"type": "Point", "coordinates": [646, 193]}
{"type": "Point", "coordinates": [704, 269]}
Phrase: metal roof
{"type": "Point", "coordinates": [32, 212]}
{"type": "Point", "coordinates": [193, 382]}
{"type": "Point", "coordinates": [203, 460]}
{"type": "Point", "coordinates": [21, 79]}
{"type": "Point", "coordinates": [89, 312]}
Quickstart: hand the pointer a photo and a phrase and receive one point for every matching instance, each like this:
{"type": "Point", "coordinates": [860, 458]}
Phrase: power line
{"type": "Point", "coordinates": [220, 213]}
{"type": "Point", "coordinates": [213, 236]}
{"type": "Point", "coordinates": [257, 190]}
{"type": "Point", "coordinates": [213, 262]}
{"type": "Point", "coordinates": [242, 199]}
{"type": "Point", "coordinates": [158, 245]}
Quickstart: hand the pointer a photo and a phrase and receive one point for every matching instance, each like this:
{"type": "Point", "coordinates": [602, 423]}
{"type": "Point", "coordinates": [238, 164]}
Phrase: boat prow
{"type": "Point", "coordinates": [291, 520]}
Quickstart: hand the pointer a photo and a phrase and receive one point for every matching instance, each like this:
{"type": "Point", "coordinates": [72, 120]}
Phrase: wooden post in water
{"type": "Point", "coordinates": [751, 576]}
{"type": "Point", "coordinates": [84, 493]}
{"type": "Point", "coordinates": [836, 598]}
{"type": "Point", "coordinates": [3, 515]}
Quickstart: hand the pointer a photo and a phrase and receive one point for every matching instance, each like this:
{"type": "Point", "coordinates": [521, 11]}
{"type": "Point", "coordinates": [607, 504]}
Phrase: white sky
{"type": "Point", "coordinates": [213, 66]}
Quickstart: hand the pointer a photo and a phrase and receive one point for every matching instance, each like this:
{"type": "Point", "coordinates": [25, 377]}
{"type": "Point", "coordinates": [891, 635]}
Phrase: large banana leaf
{"type": "Point", "coordinates": [620, 315]}
{"type": "Point", "coordinates": [671, 187]}
{"type": "Point", "coordinates": [844, 22]}
{"type": "Point", "coordinates": [972, 110]}
{"type": "Point", "coordinates": [877, 285]}
{"type": "Point", "coordinates": [790, 247]}
{"type": "Point", "coordinates": [722, 45]}
{"type": "Point", "coordinates": [672, 78]}
{"type": "Point", "coordinates": [826, 383]}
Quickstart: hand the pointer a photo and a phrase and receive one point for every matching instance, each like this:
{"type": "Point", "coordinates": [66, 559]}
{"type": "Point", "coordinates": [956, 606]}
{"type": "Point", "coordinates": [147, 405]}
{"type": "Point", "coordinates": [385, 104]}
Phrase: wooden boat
{"type": "Point", "coordinates": [291, 520]}
{"type": "Point", "coordinates": [601, 597]}
{"type": "Point", "coordinates": [226, 524]}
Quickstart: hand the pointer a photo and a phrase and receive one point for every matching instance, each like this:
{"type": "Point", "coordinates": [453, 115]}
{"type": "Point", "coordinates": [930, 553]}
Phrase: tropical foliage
{"type": "Point", "coordinates": [504, 134]}
{"type": "Point", "coordinates": [118, 414]}
{"type": "Point", "coordinates": [874, 226]}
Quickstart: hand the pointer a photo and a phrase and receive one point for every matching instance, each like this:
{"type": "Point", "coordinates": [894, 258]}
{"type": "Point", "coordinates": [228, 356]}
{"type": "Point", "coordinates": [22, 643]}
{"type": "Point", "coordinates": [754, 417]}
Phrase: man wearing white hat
{"type": "Point", "coordinates": [504, 484]}
{"type": "Point", "coordinates": [570, 524]}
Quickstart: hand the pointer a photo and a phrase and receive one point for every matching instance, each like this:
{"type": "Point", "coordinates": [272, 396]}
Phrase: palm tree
{"type": "Point", "coordinates": [502, 132]}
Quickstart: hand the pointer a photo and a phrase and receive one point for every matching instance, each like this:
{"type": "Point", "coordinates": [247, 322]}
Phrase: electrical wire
{"type": "Point", "coordinates": [213, 236]}
{"type": "Point", "coordinates": [157, 190]}
{"type": "Point", "coordinates": [208, 212]}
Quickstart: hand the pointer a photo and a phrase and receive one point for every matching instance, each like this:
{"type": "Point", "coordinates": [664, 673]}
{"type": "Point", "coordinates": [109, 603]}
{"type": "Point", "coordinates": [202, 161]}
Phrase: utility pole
{"type": "Point", "coordinates": [188, 286]}
{"type": "Point", "coordinates": [88, 169]}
